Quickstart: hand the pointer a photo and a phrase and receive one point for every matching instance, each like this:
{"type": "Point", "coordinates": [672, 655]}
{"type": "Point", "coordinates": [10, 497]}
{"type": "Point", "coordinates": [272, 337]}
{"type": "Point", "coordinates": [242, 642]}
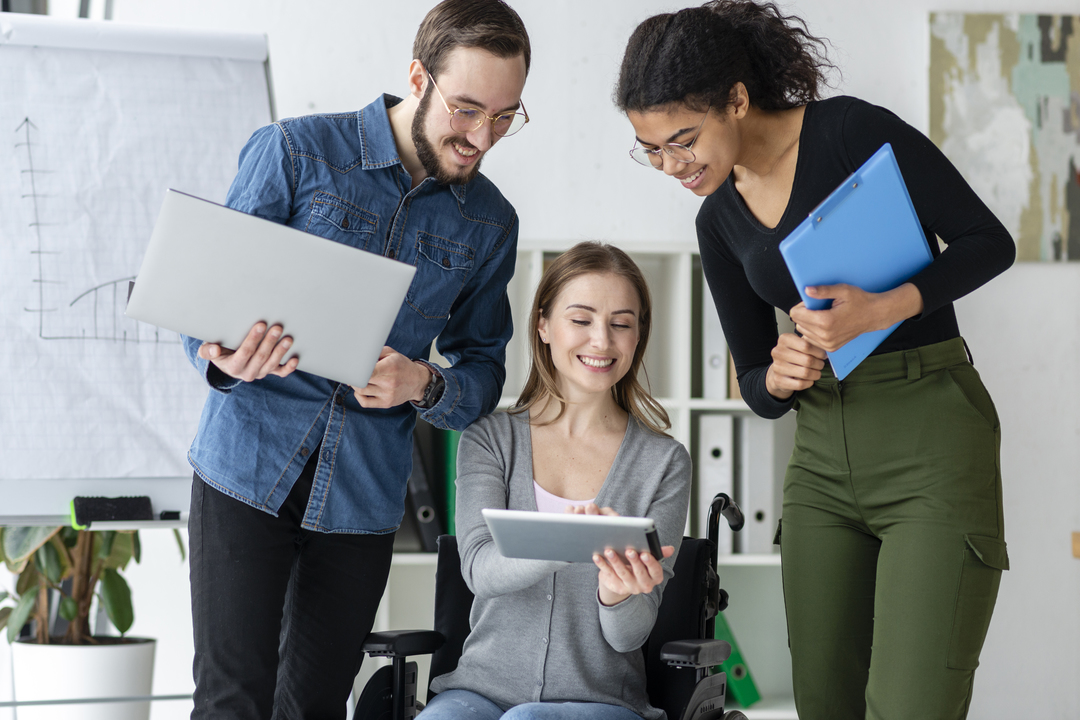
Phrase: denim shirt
{"type": "Point", "coordinates": [339, 176]}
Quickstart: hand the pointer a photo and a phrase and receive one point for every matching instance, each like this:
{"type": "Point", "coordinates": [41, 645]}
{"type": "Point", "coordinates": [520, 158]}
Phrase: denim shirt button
{"type": "Point", "coordinates": [391, 254]}
{"type": "Point", "coordinates": [339, 399]}
{"type": "Point", "coordinates": [345, 224]}
{"type": "Point", "coordinates": [446, 262]}
{"type": "Point", "coordinates": [304, 452]}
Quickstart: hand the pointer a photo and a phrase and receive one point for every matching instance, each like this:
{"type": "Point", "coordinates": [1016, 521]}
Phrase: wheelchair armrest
{"type": "Point", "coordinates": [695, 653]}
{"type": "Point", "coordinates": [403, 643]}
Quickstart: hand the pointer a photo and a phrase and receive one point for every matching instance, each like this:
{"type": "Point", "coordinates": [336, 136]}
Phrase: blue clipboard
{"type": "Point", "coordinates": [866, 233]}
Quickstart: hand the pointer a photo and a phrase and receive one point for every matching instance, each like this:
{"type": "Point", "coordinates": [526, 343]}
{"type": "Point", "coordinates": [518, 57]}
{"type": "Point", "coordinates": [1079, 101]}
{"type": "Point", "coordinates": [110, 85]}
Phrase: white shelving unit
{"type": "Point", "coordinates": [756, 611]}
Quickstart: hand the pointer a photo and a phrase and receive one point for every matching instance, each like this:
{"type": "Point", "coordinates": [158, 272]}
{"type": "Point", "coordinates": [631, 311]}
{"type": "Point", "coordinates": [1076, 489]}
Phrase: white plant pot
{"type": "Point", "coordinates": [58, 672]}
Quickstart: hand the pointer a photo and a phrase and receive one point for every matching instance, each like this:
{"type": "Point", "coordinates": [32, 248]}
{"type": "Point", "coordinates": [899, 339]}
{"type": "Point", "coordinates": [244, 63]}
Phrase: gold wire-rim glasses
{"type": "Point", "coordinates": [680, 153]}
{"type": "Point", "coordinates": [474, 117]}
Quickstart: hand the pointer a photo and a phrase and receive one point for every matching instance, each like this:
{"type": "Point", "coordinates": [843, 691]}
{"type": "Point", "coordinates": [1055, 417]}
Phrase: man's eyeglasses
{"type": "Point", "coordinates": [465, 120]}
{"type": "Point", "coordinates": [680, 153]}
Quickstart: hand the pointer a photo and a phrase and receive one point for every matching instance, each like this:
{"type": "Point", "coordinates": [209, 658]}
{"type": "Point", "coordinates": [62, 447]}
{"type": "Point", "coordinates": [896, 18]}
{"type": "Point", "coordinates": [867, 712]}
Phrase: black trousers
{"type": "Point", "coordinates": [279, 612]}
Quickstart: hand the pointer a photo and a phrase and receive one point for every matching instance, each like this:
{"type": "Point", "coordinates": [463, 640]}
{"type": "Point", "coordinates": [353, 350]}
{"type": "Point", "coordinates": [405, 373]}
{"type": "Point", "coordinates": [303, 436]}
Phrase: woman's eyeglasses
{"type": "Point", "coordinates": [680, 153]}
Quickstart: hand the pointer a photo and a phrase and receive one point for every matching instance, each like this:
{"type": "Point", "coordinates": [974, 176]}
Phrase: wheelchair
{"type": "Point", "coordinates": [681, 655]}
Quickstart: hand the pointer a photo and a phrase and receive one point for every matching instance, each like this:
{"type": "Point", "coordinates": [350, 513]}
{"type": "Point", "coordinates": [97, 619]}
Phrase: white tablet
{"type": "Point", "coordinates": [570, 538]}
{"type": "Point", "coordinates": [211, 272]}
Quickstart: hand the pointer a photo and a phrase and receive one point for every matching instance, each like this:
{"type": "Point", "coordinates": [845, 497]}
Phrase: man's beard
{"type": "Point", "coordinates": [425, 151]}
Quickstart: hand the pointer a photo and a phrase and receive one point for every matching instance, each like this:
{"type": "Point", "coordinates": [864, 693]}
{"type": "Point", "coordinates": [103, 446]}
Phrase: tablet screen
{"type": "Point", "coordinates": [569, 538]}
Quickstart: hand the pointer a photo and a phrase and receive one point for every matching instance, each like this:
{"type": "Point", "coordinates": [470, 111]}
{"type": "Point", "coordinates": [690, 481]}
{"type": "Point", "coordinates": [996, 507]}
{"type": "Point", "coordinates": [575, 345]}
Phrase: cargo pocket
{"type": "Point", "coordinates": [984, 560]}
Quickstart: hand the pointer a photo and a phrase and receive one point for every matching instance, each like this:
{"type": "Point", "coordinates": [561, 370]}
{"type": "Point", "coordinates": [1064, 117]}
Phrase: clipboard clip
{"type": "Point", "coordinates": [834, 200]}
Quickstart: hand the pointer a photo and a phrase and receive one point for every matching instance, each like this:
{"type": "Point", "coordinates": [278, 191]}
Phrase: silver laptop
{"type": "Point", "coordinates": [212, 273]}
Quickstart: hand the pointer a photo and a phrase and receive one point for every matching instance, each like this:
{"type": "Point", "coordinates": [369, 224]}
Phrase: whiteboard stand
{"type": "Point", "coordinates": [90, 394]}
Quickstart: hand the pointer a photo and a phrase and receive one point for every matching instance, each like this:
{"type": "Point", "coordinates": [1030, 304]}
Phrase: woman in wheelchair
{"type": "Point", "coordinates": [552, 639]}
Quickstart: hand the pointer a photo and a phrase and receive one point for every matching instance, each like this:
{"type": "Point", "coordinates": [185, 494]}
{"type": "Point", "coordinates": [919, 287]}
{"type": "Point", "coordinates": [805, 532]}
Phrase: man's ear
{"type": "Point", "coordinates": [418, 79]}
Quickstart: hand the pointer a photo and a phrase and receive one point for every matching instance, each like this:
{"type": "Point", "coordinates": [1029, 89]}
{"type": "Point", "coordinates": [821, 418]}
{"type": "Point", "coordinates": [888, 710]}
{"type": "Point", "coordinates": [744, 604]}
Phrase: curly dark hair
{"type": "Point", "coordinates": [696, 55]}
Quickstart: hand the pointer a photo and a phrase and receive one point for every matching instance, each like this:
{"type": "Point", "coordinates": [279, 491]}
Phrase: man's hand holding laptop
{"type": "Point", "coordinates": [396, 379]}
{"type": "Point", "coordinates": [259, 355]}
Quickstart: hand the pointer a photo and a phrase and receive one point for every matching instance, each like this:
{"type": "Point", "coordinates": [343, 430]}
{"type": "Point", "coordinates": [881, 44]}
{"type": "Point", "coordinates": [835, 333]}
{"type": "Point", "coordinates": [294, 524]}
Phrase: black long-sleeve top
{"type": "Point", "coordinates": [747, 275]}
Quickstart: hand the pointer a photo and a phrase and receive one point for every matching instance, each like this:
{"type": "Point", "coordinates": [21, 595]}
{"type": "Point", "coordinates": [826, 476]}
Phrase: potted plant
{"type": "Point", "coordinates": [59, 572]}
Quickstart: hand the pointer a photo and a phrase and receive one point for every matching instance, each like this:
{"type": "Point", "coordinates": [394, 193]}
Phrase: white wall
{"type": "Point", "coordinates": [572, 180]}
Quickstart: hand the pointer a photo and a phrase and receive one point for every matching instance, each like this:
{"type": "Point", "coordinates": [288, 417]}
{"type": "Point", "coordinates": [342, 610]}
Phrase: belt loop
{"type": "Point", "coordinates": [914, 366]}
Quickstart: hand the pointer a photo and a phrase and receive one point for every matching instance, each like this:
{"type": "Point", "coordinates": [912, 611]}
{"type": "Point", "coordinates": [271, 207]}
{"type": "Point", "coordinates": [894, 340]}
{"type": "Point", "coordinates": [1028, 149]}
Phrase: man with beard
{"type": "Point", "coordinates": [299, 481]}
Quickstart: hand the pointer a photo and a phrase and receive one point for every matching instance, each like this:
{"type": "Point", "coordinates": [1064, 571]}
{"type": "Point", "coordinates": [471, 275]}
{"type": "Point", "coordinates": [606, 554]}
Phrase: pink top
{"type": "Point", "coordinates": [546, 502]}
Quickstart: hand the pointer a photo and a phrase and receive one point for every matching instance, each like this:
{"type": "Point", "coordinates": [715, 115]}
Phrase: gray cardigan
{"type": "Point", "coordinates": [539, 632]}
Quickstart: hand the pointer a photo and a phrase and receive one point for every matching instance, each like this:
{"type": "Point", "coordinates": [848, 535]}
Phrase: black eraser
{"type": "Point", "coordinates": [102, 509]}
{"type": "Point", "coordinates": [170, 515]}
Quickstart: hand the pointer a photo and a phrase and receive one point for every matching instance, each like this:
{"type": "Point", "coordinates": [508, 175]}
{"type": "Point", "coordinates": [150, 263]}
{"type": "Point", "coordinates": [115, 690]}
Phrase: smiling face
{"type": "Point", "coordinates": [715, 146]}
{"type": "Point", "coordinates": [471, 78]}
{"type": "Point", "coordinates": [592, 332]}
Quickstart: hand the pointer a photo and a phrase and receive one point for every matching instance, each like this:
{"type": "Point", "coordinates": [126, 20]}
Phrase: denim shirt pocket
{"type": "Point", "coordinates": [341, 221]}
{"type": "Point", "coordinates": [442, 268]}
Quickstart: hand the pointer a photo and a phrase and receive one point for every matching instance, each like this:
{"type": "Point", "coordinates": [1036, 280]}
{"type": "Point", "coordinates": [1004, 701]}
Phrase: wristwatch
{"type": "Point", "coordinates": [434, 390]}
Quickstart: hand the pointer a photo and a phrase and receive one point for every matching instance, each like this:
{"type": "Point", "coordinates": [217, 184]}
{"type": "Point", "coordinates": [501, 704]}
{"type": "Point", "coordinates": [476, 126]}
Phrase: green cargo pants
{"type": "Point", "coordinates": [892, 537]}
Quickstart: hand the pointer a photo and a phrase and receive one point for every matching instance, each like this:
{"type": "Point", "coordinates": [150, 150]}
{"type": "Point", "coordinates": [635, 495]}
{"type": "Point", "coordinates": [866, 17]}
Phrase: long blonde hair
{"type": "Point", "coordinates": [589, 258]}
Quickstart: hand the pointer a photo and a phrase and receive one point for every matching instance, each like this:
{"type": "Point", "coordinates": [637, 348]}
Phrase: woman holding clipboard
{"type": "Point", "coordinates": [552, 639]}
{"type": "Point", "coordinates": [892, 534]}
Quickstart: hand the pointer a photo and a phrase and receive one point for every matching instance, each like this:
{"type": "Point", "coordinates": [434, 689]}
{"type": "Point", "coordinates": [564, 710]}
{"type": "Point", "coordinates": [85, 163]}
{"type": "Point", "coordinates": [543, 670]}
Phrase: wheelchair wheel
{"type": "Point", "coordinates": [733, 715]}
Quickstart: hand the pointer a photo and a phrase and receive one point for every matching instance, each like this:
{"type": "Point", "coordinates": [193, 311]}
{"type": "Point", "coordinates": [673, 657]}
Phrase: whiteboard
{"type": "Point", "coordinates": [97, 120]}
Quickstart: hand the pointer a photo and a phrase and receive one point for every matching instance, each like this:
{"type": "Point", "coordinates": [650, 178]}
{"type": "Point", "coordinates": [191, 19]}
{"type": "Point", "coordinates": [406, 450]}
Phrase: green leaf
{"type": "Point", "coordinates": [20, 614]}
{"type": "Point", "coordinates": [28, 580]}
{"type": "Point", "coordinates": [21, 542]}
{"type": "Point", "coordinates": [16, 568]}
{"type": "Point", "coordinates": [180, 544]}
{"type": "Point", "coordinates": [5, 613]}
{"type": "Point", "coordinates": [136, 547]}
{"type": "Point", "coordinates": [13, 567]}
{"type": "Point", "coordinates": [4, 595]}
{"type": "Point", "coordinates": [123, 547]}
{"type": "Point", "coordinates": [69, 536]}
{"type": "Point", "coordinates": [68, 609]}
{"type": "Point", "coordinates": [105, 545]}
{"type": "Point", "coordinates": [64, 555]}
{"type": "Point", "coordinates": [49, 561]}
{"type": "Point", "coordinates": [116, 597]}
